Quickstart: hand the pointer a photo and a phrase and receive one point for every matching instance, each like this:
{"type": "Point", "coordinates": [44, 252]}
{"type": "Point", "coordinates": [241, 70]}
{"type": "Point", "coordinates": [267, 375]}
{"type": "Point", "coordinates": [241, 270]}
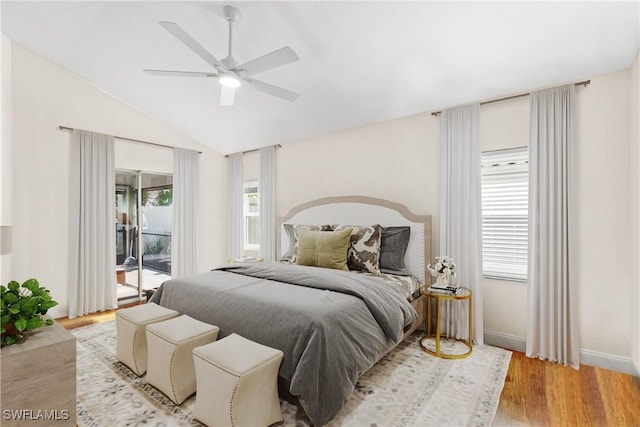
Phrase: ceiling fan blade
{"type": "Point", "coordinates": [273, 90]}
{"type": "Point", "coordinates": [279, 57]}
{"type": "Point", "coordinates": [227, 95]}
{"type": "Point", "coordinates": [179, 73]}
{"type": "Point", "coordinates": [192, 44]}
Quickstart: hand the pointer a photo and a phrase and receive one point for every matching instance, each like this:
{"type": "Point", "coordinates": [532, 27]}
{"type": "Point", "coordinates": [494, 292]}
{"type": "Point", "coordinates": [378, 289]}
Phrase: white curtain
{"type": "Point", "coordinates": [236, 211]}
{"type": "Point", "coordinates": [460, 212]}
{"type": "Point", "coordinates": [267, 192]}
{"type": "Point", "coordinates": [551, 326]}
{"type": "Point", "coordinates": [92, 258]}
{"type": "Point", "coordinates": [184, 236]}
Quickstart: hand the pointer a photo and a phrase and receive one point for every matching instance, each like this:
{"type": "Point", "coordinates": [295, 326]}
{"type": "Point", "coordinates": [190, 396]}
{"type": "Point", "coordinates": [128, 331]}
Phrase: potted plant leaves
{"type": "Point", "coordinates": [22, 308]}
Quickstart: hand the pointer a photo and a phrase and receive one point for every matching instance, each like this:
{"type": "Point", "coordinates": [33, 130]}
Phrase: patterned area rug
{"type": "Point", "coordinates": [406, 388]}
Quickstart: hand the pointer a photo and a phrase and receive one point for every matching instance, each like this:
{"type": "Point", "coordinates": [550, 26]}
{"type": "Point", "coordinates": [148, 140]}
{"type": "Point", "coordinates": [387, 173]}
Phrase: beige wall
{"type": "Point", "coordinates": [45, 96]}
{"type": "Point", "coordinates": [503, 125]}
{"type": "Point", "coordinates": [603, 223]}
{"type": "Point", "coordinates": [603, 176]}
{"type": "Point", "coordinates": [634, 166]}
{"type": "Point", "coordinates": [251, 166]}
{"type": "Point", "coordinates": [399, 160]}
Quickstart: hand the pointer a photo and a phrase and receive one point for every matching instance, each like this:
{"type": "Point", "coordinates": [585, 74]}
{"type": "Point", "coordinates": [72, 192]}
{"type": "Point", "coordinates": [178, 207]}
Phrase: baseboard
{"type": "Point", "coordinates": [511, 342]}
{"type": "Point", "coordinates": [608, 361]}
{"type": "Point", "coordinates": [587, 357]}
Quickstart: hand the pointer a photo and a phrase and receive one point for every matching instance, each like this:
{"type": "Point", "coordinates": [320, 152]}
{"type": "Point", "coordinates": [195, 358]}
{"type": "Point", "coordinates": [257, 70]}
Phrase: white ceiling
{"type": "Point", "coordinates": [360, 62]}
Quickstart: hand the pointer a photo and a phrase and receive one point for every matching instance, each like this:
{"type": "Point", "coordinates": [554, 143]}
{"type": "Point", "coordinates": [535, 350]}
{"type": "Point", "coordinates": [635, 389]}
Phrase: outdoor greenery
{"type": "Point", "coordinates": [157, 197]}
{"type": "Point", "coordinates": [22, 308]}
{"type": "Point", "coordinates": [157, 244]}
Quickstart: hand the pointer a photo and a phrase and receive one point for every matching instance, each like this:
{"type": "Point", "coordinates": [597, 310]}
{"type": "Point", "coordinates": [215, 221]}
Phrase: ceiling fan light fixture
{"type": "Point", "coordinates": [229, 80]}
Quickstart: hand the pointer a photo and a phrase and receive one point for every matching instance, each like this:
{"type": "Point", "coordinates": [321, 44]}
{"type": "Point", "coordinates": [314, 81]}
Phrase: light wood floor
{"type": "Point", "coordinates": [538, 393]}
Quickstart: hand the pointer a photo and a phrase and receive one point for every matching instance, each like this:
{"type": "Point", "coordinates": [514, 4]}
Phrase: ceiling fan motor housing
{"type": "Point", "coordinates": [231, 14]}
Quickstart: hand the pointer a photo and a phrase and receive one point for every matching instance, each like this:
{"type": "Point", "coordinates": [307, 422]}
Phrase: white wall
{"type": "Point", "coordinates": [634, 166]}
{"type": "Point", "coordinates": [5, 149]}
{"type": "Point", "coordinates": [399, 160]}
{"type": "Point", "coordinates": [45, 96]}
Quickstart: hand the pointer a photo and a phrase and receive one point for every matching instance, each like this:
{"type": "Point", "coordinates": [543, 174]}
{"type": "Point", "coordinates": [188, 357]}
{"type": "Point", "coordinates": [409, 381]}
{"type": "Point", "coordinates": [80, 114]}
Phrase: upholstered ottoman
{"type": "Point", "coordinates": [131, 344]}
{"type": "Point", "coordinates": [170, 365]}
{"type": "Point", "coordinates": [237, 382]}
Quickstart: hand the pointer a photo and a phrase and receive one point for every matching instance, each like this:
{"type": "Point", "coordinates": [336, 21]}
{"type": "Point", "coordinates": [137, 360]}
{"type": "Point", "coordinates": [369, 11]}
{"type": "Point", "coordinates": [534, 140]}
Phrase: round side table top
{"type": "Point", "coordinates": [463, 293]}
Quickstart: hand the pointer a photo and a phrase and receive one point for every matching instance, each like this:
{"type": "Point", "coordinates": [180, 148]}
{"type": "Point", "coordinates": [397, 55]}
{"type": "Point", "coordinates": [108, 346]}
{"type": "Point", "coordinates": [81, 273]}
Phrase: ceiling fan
{"type": "Point", "coordinates": [229, 73]}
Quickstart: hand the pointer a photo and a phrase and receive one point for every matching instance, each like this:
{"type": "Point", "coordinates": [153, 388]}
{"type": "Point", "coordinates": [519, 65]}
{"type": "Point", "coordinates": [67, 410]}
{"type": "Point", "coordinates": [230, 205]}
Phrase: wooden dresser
{"type": "Point", "coordinates": [39, 379]}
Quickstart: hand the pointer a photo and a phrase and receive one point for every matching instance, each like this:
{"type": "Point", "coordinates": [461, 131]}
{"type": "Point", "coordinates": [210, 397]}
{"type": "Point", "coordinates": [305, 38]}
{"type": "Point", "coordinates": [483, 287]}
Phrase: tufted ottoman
{"type": "Point", "coordinates": [171, 343]}
{"type": "Point", "coordinates": [131, 344]}
{"type": "Point", "coordinates": [237, 381]}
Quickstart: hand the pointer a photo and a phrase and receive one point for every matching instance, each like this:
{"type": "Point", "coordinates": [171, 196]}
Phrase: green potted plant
{"type": "Point", "coordinates": [22, 308]}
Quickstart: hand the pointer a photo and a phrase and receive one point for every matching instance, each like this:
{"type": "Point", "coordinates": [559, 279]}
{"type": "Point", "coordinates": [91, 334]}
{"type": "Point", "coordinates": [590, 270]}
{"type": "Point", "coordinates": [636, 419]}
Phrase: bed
{"type": "Point", "coordinates": [332, 324]}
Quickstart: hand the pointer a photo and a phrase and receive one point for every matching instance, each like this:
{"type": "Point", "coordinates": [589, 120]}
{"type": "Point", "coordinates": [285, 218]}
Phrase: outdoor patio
{"type": "Point", "coordinates": [151, 278]}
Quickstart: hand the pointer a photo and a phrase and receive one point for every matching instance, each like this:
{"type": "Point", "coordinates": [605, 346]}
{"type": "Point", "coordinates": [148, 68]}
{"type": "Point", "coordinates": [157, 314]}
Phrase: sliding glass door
{"type": "Point", "coordinates": [144, 218]}
{"type": "Point", "coordinates": [157, 211]}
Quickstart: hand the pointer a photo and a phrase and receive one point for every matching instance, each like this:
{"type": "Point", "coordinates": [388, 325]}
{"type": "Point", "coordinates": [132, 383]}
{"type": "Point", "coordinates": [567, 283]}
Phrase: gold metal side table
{"type": "Point", "coordinates": [463, 294]}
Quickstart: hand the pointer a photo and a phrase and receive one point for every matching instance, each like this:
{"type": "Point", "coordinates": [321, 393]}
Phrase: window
{"type": "Point", "coordinates": [251, 216]}
{"type": "Point", "coordinates": [505, 216]}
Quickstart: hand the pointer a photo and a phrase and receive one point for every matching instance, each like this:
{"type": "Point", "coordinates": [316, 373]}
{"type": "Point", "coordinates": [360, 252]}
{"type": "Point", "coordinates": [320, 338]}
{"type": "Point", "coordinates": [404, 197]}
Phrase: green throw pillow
{"type": "Point", "coordinates": [326, 249]}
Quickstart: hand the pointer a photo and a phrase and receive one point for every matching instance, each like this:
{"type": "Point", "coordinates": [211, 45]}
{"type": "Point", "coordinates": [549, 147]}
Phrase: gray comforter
{"type": "Point", "coordinates": [331, 325]}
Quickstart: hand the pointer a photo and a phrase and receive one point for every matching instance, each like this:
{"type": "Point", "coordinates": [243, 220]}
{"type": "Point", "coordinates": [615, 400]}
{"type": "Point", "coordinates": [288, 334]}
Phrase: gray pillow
{"type": "Point", "coordinates": [393, 247]}
{"type": "Point", "coordinates": [292, 242]}
{"type": "Point", "coordinates": [290, 255]}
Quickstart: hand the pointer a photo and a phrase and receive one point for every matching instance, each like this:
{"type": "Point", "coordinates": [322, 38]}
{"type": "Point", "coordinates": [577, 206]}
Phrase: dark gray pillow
{"type": "Point", "coordinates": [393, 247]}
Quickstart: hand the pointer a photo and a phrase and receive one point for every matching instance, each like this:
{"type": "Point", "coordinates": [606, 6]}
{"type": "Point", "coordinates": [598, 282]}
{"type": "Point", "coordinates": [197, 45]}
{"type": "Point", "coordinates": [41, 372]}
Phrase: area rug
{"type": "Point", "coordinates": [407, 388]}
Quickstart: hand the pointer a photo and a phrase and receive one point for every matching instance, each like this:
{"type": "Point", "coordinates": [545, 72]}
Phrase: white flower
{"type": "Point", "coordinates": [443, 265]}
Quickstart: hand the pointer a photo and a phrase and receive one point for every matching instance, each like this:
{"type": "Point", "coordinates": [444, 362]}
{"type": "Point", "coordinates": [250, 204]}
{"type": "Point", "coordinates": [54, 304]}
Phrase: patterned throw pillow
{"type": "Point", "coordinates": [364, 247]}
{"type": "Point", "coordinates": [292, 231]}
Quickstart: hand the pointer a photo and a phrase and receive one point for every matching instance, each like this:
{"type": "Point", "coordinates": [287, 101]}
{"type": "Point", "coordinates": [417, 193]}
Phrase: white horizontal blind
{"type": "Point", "coordinates": [251, 205]}
{"type": "Point", "coordinates": [505, 194]}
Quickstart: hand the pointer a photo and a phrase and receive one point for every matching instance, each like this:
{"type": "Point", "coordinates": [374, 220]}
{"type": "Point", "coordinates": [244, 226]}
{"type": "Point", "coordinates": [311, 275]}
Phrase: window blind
{"type": "Point", "coordinates": [505, 194]}
{"type": "Point", "coordinates": [251, 203]}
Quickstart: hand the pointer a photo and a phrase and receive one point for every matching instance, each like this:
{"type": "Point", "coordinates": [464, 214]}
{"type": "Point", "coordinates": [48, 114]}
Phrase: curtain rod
{"type": "Point", "coordinates": [255, 149]}
{"type": "Point", "coordinates": [583, 83]}
{"type": "Point", "coordinates": [126, 139]}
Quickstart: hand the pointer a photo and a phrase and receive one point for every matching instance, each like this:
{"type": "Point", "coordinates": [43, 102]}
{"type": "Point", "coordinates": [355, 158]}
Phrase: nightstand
{"type": "Point", "coordinates": [432, 342]}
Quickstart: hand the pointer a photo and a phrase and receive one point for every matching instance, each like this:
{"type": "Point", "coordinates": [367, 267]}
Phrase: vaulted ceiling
{"type": "Point", "coordinates": [359, 62]}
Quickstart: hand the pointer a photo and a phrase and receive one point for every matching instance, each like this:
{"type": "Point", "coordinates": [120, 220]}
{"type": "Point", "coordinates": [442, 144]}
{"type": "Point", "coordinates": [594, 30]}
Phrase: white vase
{"type": "Point", "coordinates": [442, 280]}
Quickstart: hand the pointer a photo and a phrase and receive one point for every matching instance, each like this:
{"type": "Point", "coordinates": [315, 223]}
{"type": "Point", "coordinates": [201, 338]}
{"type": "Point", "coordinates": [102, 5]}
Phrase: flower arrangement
{"type": "Point", "coordinates": [442, 265]}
